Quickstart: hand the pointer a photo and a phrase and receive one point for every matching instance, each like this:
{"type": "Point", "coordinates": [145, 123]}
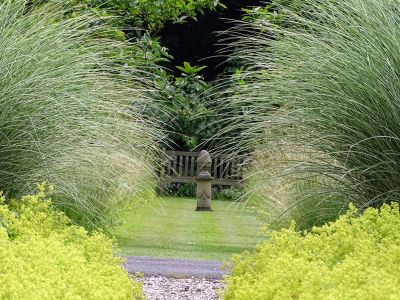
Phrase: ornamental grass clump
{"type": "Point", "coordinates": [325, 84]}
{"type": "Point", "coordinates": [271, 190]}
{"type": "Point", "coordinates": [44, 256]}
{"type": "Point", "coordinates": [356, 257]}
{"type": "Point", "coordinates": [68, 112]}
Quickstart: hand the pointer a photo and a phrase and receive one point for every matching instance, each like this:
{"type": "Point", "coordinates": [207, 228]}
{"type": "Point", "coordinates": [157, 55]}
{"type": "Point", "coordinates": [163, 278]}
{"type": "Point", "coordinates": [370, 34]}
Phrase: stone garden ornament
{"type": "Point", "coordinates": [204, 179]}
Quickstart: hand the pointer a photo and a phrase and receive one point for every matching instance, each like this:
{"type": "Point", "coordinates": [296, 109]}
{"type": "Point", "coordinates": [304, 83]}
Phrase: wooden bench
{"type": "Point", "coordinates": [181, 167]}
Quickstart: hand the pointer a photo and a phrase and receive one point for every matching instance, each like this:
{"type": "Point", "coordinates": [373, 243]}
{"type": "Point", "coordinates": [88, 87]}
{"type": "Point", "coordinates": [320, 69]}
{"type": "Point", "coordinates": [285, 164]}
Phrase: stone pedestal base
{"type": "Point", "coordinates": [203, 194]}
{"type": "Point", "coordinates": [203, 209]}
{"type": "Point", "coordinates": [204, 179]}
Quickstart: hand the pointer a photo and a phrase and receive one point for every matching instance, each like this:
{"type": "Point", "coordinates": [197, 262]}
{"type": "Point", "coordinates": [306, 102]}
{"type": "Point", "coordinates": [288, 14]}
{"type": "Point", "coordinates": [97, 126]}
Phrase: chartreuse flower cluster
{"type": "Point", "coordinates": [356, 257]}
{"type": "Point", "coordinates": [43, 256]}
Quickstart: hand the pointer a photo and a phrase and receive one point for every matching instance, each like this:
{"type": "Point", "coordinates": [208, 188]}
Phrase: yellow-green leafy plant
{"type": "Point", "coordinates": [44, 256]}
{"type": "Point", "coordinates": [356, 257]}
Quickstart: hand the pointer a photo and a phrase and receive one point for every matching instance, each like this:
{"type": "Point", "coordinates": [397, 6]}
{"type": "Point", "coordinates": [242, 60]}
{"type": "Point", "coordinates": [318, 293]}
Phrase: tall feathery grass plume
{"type": "Point", "coordinates": [318, 105]}
{"type": "Point", "coordinates": [68, 113]}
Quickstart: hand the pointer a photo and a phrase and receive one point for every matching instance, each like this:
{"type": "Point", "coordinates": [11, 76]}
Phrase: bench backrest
{"type": "Point", "coordinates": [181, 166]}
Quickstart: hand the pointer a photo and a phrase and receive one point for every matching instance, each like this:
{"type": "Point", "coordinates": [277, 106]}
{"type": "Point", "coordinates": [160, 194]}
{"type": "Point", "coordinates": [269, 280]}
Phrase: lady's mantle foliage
{"type": "Point", "coordinates": [43, 256]}
{"type": "Point", "coordinates": [356, 257]}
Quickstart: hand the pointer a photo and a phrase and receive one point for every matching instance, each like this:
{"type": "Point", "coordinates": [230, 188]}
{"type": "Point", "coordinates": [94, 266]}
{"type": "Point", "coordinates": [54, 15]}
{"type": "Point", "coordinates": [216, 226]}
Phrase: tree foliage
{"type": "Point", "coordinates": [144, 14]}
{"type": "Point", "coordinates": [186, 112]}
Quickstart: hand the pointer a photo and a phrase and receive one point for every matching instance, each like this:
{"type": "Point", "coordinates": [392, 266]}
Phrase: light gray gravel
{"type": "Point", "coordinates": [178, 268]}
{"type": "Point", "coordinates": [163, 288]}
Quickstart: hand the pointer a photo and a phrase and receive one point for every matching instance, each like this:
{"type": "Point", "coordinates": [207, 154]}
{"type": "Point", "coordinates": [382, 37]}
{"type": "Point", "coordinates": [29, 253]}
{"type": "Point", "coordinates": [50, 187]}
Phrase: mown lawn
{"type": "Point", "coordinates": [172, 228]}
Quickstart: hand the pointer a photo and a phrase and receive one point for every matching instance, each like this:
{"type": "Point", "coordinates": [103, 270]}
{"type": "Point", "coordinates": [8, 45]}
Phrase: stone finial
{"type": "Point", "coordinates": [204, 179]}
{"type": "Point", "coordinates": [204, 164]}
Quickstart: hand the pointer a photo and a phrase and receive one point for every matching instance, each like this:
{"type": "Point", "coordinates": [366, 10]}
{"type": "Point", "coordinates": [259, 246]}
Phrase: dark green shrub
{"type": "Point", "coordinates": [180, 189]}
{"type": "Point", "coordinates": [228, 193]}
{"type": "Point", "coordinates": [219, 192]}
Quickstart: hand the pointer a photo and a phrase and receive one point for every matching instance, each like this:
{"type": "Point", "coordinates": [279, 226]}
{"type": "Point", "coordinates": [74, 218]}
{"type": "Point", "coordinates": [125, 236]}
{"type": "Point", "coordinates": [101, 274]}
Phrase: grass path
{"type": "Point", "coordinates": [173, 228]}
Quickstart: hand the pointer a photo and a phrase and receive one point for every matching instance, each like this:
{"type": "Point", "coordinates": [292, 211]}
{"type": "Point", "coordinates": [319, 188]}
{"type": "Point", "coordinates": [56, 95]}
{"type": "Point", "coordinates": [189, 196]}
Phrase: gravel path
{"type": "Point", "coordinates": [162, 288]}
{"type": "Point", "coordinates": [177, 279]}
{"type": "Point", "coordinates": [177, 268]}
